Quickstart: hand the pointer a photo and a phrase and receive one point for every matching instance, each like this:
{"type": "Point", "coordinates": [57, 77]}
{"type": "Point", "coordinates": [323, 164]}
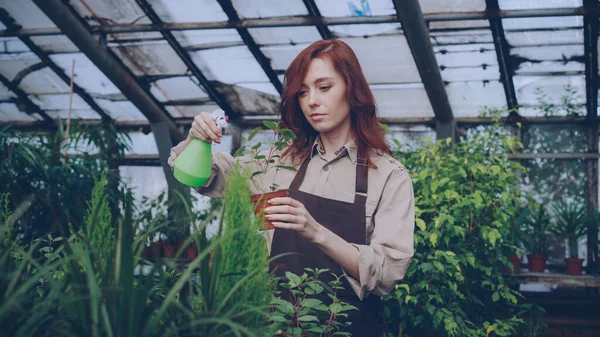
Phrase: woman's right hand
{"type": "Point", "coordinates": [205, 128]}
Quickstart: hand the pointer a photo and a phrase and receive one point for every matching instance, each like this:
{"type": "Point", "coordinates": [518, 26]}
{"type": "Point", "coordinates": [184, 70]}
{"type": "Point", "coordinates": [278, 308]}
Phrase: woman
{"type": "Point", "coordinates": [364, 229]}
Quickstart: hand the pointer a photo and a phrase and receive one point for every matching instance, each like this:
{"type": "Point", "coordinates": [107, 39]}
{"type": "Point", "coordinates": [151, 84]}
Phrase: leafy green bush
{"type": "Point", "coordinates": [466, 195]}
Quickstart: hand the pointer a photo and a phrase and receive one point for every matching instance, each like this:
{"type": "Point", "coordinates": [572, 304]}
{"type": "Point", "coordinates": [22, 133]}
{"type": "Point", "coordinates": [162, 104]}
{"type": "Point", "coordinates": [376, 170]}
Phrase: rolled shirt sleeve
{"type": "Point", "coordinates": [383, 263]}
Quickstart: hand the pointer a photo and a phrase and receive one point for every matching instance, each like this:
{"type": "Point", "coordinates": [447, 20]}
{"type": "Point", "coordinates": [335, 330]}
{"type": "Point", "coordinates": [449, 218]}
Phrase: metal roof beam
{"type": "Point", "coordinates": [71, 24]}
{"type": "Point", "coordinates": [185, 57]}
{"type": "Point", "coordinates": [264, 62]}
{"type": "Point", "coordinates": [503, 55]}
{"type": "Point", "coordinates": [10, 24]}
{"type": "Point", "coordinates": [417, 35]}
{"type": "Point", "coordinates": [24, 98]}
{"type": "Point", "coordinates": [313, 11]}
{"type": "Point", "coordinates": [307, 20]}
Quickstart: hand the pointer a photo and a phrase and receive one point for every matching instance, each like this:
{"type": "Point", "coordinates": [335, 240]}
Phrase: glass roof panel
{"type": "Point", "coordinates": [545, 22]}
{"type": "Point", "coordinates": [87, 75]}
{"type": "Point", "coordinates": [177, 88]}
{"type": "Point", "coordinates": [466, 55]}
{"type": "Point", "coordinates": [110, 12]}
{"type": "Point", "coordinates": [55, 44]}
{"type": "Point", "coordinates": [284, 35]}
{"type": "Point", "coordinates": [10, 112]}
{"type": "Point", "coordinates": [5, 93]}
{"type": "Point", "coordinates": [401, 101]}
{"type": "Point", "coordinates": [269, 8]}
{"type": "Point", "coordinates": [178, 111]}
{"type": "Point", "coordinates": [281, 56]}
{"type": "Point", "coordinates": [10, 67]}
{"type": "Point", "coordinates": [366, 30]}
{"type": "Point", "coordinates": [27, 14]}
{"type": "Point", "coordinates": [436, 6]}
{"type": "Point", "coordinates": [459, 24]}
{"type": "Point", "coordinates": [59, 102]}
{"type": "Point", "coordinates": [355, 7]}
{"type": "Point", "coordinates": [229, 65]}
{"type": "Point", "coordinates": [43, 81]}
{"type": "Point", "coordinates": [540, 38]}
{"type": "Point", "coordinates": [550, 53]}
{"type": "Point", "coordinates": [487, 73]}
{"type": "Point", "coordinates": [196, 38]}
{"type": "Point", "coordinates": [142, 144]}
{"type": "Point", "coordinates": [121, 110]}
{"type": "Point", "coordinates": [188, 10]}
{"type": "Point", "coordinates": [12, 45]}
{"type": "Point", "coordinates": [75, 114]}
{"type": "Point", "coordinates": [529, 68]}
{"type": "Point", "coordinates": [385, 59]}
{"type": "Point", "coordinates": [266, 87]}
{"type": "Point", "coordinates": [137, 38]}
{"type": "Point", "coordinates": [461, 37]}
{"type": "Point", "coordinates": [467, 98]}
{"type": "Point", "coordinates": [553, 87]}
{"type": "Point", "coordinates": [151, 59]}
{"type": "Point", "coordinates": [520, 4]}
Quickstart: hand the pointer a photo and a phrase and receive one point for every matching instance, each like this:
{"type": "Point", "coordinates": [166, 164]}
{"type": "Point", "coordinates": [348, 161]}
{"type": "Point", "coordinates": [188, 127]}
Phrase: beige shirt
{"type": "Point", "coordinates": [390, 213]}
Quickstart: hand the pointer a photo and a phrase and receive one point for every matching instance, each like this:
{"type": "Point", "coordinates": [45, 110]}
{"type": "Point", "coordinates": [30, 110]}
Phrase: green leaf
{"type": "Point", "coordinates": [433, 238]}
{"type": "Point", "coordinates": [308, 318]}
{"type": "Point", "coordinates": [288, 134]}
{"type": "Point", "coordinates": [271, 125]}
{"type": "Point", "coordinates": [495, 296]}
{"type": "Point", "coordinates": [295, 280]}
{"type": "Point", "coordinates": [310, 302]}
{"type": "Point", "coordinates": [335, 308]}
{"type": "Point", "coordinates": [421, 224]}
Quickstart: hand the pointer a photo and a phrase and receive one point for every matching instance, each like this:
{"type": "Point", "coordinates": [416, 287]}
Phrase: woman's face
{"type": "Point", "coordinates": [322, 98]}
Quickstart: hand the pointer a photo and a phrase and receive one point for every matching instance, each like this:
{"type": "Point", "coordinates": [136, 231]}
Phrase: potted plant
{"type": "Point", "coordinates": [516, 239]}
{"type": "Point", "coordinates": [570, 224]}
{"type": "Point", "coordinates": [536, 227]}
{"type": "Point", "coordinates": [263, 161]}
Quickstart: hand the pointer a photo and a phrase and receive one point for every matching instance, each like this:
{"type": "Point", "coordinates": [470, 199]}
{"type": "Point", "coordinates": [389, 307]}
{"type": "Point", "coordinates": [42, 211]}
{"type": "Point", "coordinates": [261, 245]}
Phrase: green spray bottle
{"type": "Point", "coordinates": [193, 166]}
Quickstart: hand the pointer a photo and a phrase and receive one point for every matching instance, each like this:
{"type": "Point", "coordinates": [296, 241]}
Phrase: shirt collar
{"type": "Point", "coordinates": [349, 148]}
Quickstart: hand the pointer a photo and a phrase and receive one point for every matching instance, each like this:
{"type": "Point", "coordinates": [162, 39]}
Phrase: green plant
{"type": "Point", "coordinates": [570, 224]}
{"type": "Point", "coordinates": [261, 161]}
{"type": "Point", "coordinates": [466, 195]}
{"type": "Point", "coordinates": [306, 314]}
{"type": "Point", "coordinates": [536, 227]}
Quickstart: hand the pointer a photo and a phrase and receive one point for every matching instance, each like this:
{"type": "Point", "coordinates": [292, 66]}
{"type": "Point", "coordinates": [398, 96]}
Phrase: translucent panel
{"type": "Point", "coordinates": [282, 56]}
{"type": "Point", "coordinates": [553, 87]}
{"type": "Point", "coordinates": [468, 98]}
{"type": "Point", "coordinates": [488, 73]}
{"type": "Point", "coordinates": [549, 53]}
{"type": "Point", "coordinates": [10, 67]}
{"type": "Point", "coordinates": [571, 36]}
{"type": "Point", "coordinates": [553, 180]}
{"type": "Point", "coordinates": [179, 111]}
{"type": "Point", "coordinates": [192, 38]}
{"type": "Point", "coordinates": [269, 8]}
{"type": "Point", "coordinates": [401, 101]}
{"type": "Point", "coordinates": [266, 87]}
{"type": "Point", "coordinates": [466, 55]}
{"type": "Point", "coordinates": [355, 7]}
{"type": "Point", "coordinates": [121, 110]}
{"type": "Point", "coordinates": [55, 44]}
{"type": "Point", "coordinates": [111, 11]}
{"type": "Point", "coordinates": [43, 81]}
{"type": "Point", "coordinates": [229, 65]}
{"type": "Point", "coordinates": [188, 10]}
{"type": "Point", "coordinates": [459, 24]}
{"type": "Point", "coordinates": [461, 37]}
{"type": "Point", "coordinates": [137, 178]}
{"type": "Point", "coordinates": [2, 26]}
{"type": "Point", "coordinates": [520, 4]}
{"type": "Point", "coordinates": [366, 30]}
{"type": "Point", "coordinates": [549, 66]}
{"type": "Point", "coordinates": [12, 45]}
{"type": "Point", "coordinates": [142, 144]}
{"type": "Point", "coordinates": [283, 35]}
{"type": "Point", "coordinates": [385, 59]}
{"type": "Point", "coordinates": [122, 39]}
{"type": "Point", "coordinates": [5, 93]}
{"type": "Point", "coordinates": [436, 6]}
{"type": "Point", "coordinates": [87, 75]}
{"type": "Point", "coordinates": [155, 59]}
{"type": "Point", "coordinates": [59, 102]}
{"type": "Point", "coordinates": [177, 88]}
{"type": "Point", "coordinates": [27, 14]}
{"type": "Point", "coordinates": [555, 138]}
{"type": "Point", "coordinates": [9, 112]}
{"type": "Point", "coordinates": [410, 137]}
{"type": "Point", "coordinates": [75, 114]}
{"type": "Point", "coordinates": [545, 22]}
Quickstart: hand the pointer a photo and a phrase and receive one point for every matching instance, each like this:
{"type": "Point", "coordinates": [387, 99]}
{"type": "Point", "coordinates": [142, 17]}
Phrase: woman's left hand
{"type": "Point", "coordinates": [289, 213]}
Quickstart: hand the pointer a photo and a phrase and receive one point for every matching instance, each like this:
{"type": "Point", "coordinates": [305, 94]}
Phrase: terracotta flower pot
{"type": "Point", "coordinates": [516, 262]}
{"type": "Point", "coordinates": [168, 250]}
{"type": "Point", "coordinates": [192, 251]}
{"type": "Point", "coordinates": [537, 262]}
{"type": "Point", "coordinates": [260, 202]}
{"type": "Point", "coordinates": [574, 266]}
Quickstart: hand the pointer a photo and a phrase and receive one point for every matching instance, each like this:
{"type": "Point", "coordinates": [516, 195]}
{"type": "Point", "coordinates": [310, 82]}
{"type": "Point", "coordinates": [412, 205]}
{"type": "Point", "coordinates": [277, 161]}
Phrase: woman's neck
{"type": "Point", "coordinates": [332, 141]}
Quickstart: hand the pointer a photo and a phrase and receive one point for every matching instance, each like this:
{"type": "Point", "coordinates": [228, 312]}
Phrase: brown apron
{"type": "Point", "coordinates": [345, 219]}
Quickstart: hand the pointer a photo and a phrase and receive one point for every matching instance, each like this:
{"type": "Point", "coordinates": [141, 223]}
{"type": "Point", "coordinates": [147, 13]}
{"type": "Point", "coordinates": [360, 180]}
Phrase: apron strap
{"type": "Point", "coordinates": [362, 178]}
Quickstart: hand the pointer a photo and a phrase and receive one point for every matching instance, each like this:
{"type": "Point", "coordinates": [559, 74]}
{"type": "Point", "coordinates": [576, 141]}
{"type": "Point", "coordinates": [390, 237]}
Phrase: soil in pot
{"type": "Point", "coordinates": [537, 262]}
{"type": "Point", "coordinates": [260, 202]}
{"type": "Point", "coordinates": [574, 266]}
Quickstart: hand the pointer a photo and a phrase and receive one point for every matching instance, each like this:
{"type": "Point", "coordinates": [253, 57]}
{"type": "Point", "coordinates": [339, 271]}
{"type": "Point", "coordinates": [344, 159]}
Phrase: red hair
{"type": "Point", "coordinates": [359, 97]}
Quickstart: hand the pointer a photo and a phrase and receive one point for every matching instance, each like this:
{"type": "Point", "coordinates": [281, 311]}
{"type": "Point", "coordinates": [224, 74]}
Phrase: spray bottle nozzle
{"type": "Point", "coordinates": [219, 117]}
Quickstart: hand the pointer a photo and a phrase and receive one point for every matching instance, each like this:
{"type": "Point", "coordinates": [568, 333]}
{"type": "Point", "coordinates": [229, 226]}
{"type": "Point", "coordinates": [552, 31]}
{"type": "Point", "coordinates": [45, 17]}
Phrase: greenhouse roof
{"type": "Point", "coordinates": [139, 62]}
